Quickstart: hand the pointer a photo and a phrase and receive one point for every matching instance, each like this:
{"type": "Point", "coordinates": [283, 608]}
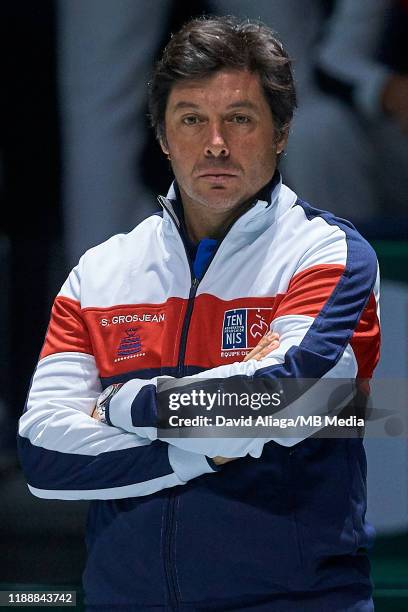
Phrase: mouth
{"type": "Point", "coordinates": [217, 177]}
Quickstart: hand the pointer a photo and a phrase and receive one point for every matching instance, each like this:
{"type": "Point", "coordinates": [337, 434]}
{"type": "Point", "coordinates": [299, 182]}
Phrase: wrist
{"type": "Point", "coordinates": [101, 410]}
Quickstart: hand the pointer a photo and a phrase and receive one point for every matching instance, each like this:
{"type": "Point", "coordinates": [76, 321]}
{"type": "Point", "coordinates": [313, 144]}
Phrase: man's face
{"type": "Point", "coordinates": [221, 139]}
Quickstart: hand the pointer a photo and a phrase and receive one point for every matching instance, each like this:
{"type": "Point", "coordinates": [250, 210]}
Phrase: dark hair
{"type": "Point", "coordinates": [206, 45]}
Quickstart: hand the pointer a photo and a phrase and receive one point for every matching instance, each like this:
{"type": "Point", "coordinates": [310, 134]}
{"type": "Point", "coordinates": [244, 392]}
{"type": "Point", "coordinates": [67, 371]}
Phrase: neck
{"type": "Point", "coordinates": [202, 222]}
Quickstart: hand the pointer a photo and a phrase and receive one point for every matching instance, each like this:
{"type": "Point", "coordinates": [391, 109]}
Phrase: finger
{"type": "Point", "coordinates": [265, 341]}
{"type": "Point", "coordinates": [252, 354]}
{"type": "Point", "coordinates": [267, 350]}
{"type": "Point", "coordinates": [261, 346]}
{"type": "Point", "coordinates": [261, 351]}
{"type": "Point", "coordinates": [95, 414]}
{"type": "Point", "coordinates": [268, 337]}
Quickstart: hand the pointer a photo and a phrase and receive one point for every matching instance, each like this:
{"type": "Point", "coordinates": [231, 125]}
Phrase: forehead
{"type": "Point", "coordinates": [220, 90]}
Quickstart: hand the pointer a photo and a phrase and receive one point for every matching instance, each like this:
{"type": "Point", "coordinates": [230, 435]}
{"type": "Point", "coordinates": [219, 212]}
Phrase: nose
{"type": "Point", "coordinates": [216, 145]}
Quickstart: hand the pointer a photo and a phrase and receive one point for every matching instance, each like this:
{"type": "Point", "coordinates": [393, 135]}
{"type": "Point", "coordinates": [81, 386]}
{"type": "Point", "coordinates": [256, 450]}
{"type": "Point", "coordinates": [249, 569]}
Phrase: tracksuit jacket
{"type": "Point", "coordinates": [281, 528]}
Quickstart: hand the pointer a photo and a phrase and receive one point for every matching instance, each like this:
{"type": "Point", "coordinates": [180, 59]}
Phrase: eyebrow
{"type": "Point", "coordinates": [183, 104]}
{"type": "Point", "coordinates": [243, 104]}
{"type": "Point", "coordinates": [238, 104]}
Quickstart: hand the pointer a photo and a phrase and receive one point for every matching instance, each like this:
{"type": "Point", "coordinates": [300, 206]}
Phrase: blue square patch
{"type": "Point", "coordinates": [234, 329]}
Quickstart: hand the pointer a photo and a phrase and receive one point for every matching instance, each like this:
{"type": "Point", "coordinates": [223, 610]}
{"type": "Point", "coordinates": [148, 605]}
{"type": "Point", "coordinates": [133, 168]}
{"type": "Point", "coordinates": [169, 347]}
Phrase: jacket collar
{"type": "Point", "coordinates": [266, 198]}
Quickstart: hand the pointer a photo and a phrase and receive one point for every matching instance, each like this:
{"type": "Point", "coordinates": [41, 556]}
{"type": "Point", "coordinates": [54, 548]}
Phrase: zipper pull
{"type": "Point", "coordinates": [162, 201]}
{"type": "Point", "coordinates": [168, 207]}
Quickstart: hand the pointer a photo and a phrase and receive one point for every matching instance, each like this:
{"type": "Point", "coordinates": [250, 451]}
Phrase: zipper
{"type": "Point", "coordinates": [172, 495]}
{"type": "Point", "coordinates": [170, 530]}
{"type": "Point", "coordinates": [168, 547]}
{"type": "Point", "coordinates": [193, 288]}
{"type": "Point", "coordinates": [192, 293]}
{"type": "Point", "coordinates": [292, 505]}
{"type": "Point", "coordinates": [186, 325]}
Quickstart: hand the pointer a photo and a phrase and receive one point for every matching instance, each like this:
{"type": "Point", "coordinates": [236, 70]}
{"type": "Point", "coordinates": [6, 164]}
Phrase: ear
{"type": "Point", "coordinates": [163, 145]}
{"type": "Point", "coordinates": [282, 140]}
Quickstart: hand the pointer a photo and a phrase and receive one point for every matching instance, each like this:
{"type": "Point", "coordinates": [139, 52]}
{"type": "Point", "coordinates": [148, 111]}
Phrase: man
{"type": "Point", "coordinates": [282, 527]}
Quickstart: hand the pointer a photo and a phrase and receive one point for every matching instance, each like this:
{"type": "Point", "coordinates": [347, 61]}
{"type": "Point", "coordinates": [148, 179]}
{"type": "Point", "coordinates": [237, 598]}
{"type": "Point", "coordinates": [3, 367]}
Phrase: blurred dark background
{"type": "Point", "coordinates": [79, 163]}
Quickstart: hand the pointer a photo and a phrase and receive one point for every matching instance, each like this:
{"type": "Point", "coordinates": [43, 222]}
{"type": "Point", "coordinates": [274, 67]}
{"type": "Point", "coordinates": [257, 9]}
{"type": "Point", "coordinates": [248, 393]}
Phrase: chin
{"type": "Point", "coordinates": [219, 201]}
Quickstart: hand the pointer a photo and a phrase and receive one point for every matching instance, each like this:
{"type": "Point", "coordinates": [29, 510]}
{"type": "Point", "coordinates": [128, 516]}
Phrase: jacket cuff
{"type": "Point", "coordinates": [133, 408]}
{"type": "Point", "coordinates": [188, 465]}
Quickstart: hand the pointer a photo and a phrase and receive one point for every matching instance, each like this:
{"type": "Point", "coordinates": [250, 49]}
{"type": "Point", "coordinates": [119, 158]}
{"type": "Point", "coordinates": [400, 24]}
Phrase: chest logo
{"type": "Point", "coordinates": [130, 345]}
{"type": "Point", "coordinates": [244, 327]}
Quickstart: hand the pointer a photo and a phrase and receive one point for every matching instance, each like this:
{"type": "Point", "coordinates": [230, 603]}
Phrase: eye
{"type": "Point", "coordinates": [241, 119]}
{"type": "Point", "coordinates": [191, 120]}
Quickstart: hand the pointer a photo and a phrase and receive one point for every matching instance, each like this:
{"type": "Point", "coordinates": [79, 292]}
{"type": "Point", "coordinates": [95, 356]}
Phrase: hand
{"type": "Point", "coordinates": [266, 345]}
{"type": "Point", "coordinates": [395, 99]}
{"type": "Point", "coordinates": [222, 460]}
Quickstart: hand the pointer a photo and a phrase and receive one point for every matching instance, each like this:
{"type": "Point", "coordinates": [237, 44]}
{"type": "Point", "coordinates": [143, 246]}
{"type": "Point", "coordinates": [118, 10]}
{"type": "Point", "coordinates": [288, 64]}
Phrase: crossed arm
{"type": "Point", "coordinates": [265, 346]}
{"type": "Point", "coordinates": [66, 454]}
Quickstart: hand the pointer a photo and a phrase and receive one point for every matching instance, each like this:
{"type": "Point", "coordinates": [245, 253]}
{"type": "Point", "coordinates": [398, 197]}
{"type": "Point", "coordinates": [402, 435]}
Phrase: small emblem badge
{"type": "Point", "coordinates": [130, 345]}
{"type": "Point", "coordinates": [244, 327]}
